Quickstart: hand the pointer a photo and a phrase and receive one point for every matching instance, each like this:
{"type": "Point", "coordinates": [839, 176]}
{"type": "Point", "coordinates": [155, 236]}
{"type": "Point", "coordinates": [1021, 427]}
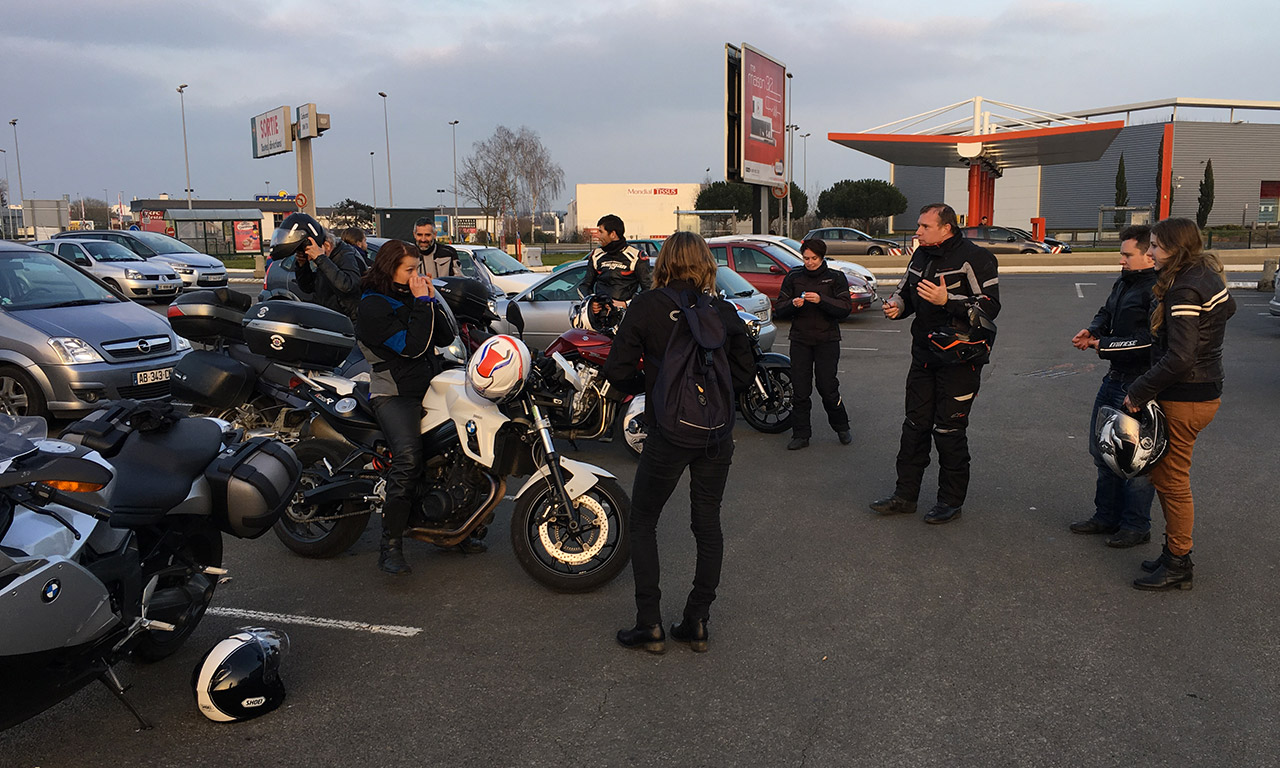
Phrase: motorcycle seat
{"type": "Point", "coordinates": [154, 470]}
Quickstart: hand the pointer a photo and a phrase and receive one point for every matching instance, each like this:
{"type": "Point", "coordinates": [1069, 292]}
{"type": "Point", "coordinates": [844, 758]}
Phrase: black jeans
{"type": "Point", "coordinates": [661, 466]}
{"type": "Point", "coordinates": [810, 364]}
{"type": "Point", "coordinates": [400, 418]}
{"type": "Point", "coordinates": [939, 398]}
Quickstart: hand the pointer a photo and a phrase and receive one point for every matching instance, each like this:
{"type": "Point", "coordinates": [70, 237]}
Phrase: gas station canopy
{"type": "Point", "coordinates": [1009, 149]}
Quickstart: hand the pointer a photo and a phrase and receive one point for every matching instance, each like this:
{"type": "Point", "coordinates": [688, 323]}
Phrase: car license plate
{"type": "Point", "coordinates": [151, 377]}
{"type": "Point", "coordinates": [763, 314]}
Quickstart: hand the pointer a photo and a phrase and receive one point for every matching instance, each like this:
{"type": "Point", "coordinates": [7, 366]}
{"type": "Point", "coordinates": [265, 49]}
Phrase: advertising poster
{"type": "Point", "coordinates": [247, 237]}
{"type": "Point", "coordinates": [764, 118]}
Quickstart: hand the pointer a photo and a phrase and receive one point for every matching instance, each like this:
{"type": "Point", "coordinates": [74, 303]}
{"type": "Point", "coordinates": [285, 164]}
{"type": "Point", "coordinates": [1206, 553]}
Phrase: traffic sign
{"type": "Point", "coordinates": [300, 201]}
{"type": "Point", "coordinates": [135, 228]}
{"type": "Point", "coordinates": [780, 192]}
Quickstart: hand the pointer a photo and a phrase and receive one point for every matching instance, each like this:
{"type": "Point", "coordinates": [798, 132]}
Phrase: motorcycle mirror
{"type": "Point", "coordinates": [515, 317]}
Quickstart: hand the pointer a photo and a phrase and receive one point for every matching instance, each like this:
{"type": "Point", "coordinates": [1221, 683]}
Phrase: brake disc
{"type": "Point", "coordinates": [554, 535]}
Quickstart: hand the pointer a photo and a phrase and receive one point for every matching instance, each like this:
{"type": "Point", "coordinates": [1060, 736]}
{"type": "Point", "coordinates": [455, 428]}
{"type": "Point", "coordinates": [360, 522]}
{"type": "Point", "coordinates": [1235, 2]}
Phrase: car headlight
{"type": "Point", "coordinates": [132, 274]}
{"type": "Point", "coordinates": [74, 351]}
{"type": "Point", "coordinates": [183, 344]}
{"type": "Point", "coordinates": [184, 270]}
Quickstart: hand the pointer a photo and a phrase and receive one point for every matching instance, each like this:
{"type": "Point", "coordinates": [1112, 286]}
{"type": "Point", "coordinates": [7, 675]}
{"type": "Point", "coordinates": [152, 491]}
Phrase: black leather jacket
{"type": "Point", "coordinates": [814, 323]}
{"type": "Point", "coordinates": [1187, 362]}
{"type": "Point", "coordinates": [1123, 325]}
{"type": "Point", "coordinates": [397, 335]}
{"type": "Point", "coordinates": [334, 280]}
{"type": "Point", "coordinates": [617, 269]}
{"type": "Point", "coordinates": [972, 276]}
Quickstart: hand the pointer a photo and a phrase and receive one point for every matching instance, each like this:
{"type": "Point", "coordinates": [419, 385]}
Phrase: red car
{"type": "Point", "coordinates": [764, 264]}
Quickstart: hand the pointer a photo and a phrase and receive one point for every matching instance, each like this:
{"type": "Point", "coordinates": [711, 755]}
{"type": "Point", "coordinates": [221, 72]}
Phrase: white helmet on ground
{"type": "Point", "coordinates": [239, 678]}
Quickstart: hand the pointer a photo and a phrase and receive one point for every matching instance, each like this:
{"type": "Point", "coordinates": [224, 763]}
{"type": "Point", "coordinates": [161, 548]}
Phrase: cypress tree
{"type": "Point", "coordinates": [1122, 192]}
{"type": "Point", "coordinates": [1206, 196]}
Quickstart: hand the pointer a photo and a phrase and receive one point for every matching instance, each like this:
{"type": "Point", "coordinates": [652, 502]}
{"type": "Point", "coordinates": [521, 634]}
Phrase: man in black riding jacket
{"type": "Point", "coordinates": [949, 282]}
{"type": "Point", "coordinates": [1121, 333]}
{"type": "Point", "coordinates": [324, 266]}
{"type": "Point", "coordinates": [815, 298]}
{"type": "Point", "coordinates": [615, 268]}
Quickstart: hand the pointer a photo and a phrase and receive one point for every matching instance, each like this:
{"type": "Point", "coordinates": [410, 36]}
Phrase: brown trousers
{"type": "Point", "coordinates": [1172, 476]}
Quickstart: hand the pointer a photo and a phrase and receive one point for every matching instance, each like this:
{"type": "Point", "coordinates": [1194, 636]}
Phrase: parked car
{"type": "Point", "coordinates": [545, 306]}
{"type": "Point", "coordinates": [1049, 241]}
{"type": "Point", "coordinates": [1004, 240]}
{"type": "Point", "coordinates": [118, 267]}
{"type": "Point", "coordinates": [1274, 305]}
{"type": "Point", "coordinates": [197, 270]}
{"type": "Point", "coordinates": [847, 241]}
{"type": "Point", "coordinates": [510, 276]}
{"type": "Point", "coordinates": [764, 264]}
{"type": "Point", "coordinates": [69, 342]}
{"type": "Point", "coordinates": [647, 245]}
{"type": "Point", "coordinates": [795, 246]}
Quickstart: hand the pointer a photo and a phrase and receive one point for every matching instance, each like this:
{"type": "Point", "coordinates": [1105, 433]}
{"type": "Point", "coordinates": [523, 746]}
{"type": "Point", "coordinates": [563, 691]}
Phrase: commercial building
{"type": "Point", "coordinates": [1170, 139]}
{"type": "Point", "coordinates": [648, 210]}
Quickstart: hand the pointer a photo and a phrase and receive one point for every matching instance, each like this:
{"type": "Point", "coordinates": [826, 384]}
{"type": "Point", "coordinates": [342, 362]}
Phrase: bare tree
{"type": "Point", "coordinates": [540, 177]}
{"type": "Point", "coordinates": [510, 170]}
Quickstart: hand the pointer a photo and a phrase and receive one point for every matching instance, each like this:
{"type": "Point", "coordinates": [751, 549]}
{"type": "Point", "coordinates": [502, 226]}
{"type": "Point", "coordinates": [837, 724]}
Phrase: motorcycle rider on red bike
{"type": "Point", "coordinates": [615, 269]}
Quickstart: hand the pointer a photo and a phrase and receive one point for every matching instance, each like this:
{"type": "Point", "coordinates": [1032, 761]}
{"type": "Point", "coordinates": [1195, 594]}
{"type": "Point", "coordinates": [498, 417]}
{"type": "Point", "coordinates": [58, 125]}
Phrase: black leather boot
{"type": "Point", "coordinates": [693, 632]}
{"type": "Point", "coordinates": [1173, 571]}
{"type": "Point", "coordinates": [1151, 565]}
{"type": "Point", "coordinates": [391, 557]}
{"type": "Point", "coordinates": [651, 638]}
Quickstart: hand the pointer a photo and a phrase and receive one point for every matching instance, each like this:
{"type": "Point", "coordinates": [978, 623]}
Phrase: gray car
{"type": "Point", "coordinates": [118, 267]}
{"type": "Point", "coordinates": [67, 342]}
{"type": "Point", "coordinates": [197, 270]}
{"type": "Point", "coordinates": [1274, 304]}
{"type": "Point", "coordinates": [545, 306]}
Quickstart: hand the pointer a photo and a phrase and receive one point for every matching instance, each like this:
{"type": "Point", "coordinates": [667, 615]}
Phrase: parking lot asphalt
{"type": "Point", "coordinates": [839, 638]}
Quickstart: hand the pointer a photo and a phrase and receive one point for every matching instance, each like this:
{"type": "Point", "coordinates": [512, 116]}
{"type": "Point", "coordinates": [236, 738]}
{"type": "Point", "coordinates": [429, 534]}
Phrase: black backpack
{"type": "Point", "coordinates": [693, 397]}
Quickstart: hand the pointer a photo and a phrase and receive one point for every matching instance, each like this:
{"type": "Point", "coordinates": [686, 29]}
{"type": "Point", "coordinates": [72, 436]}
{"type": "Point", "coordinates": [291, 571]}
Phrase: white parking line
{"type": "Point", "coordinates": [1080, 293]}
{"type": "Point", "coordinates": [861, 349]}
{"type": "Point", "coordinates": [314, 621]}
{"type": "Point", "coordinates": [872, 330]}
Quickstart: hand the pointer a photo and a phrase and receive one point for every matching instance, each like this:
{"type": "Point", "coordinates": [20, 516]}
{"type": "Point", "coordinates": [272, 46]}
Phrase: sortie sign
{"type": "Point", "coordinates": [272, 132]}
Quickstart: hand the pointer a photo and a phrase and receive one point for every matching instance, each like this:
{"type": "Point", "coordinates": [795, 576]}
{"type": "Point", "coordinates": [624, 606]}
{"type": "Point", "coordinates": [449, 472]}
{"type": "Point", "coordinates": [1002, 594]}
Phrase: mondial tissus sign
{"type": "Point", "coordinates": [272, 132]}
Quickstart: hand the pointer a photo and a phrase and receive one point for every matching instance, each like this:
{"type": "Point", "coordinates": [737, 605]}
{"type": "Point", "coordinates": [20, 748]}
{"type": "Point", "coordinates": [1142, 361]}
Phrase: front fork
{"type": "Point", "coordinates": [543, 425]}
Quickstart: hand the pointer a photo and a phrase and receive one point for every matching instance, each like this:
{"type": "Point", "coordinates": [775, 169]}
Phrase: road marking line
{"type": "Point", "coordinates": [313, 621]}
{"type": "Point", "coordinates": [1080, 293]}
{"type": "Point", "coordinates": [873, 330]}
{"type": "Point", "coordinates": [862, 349]}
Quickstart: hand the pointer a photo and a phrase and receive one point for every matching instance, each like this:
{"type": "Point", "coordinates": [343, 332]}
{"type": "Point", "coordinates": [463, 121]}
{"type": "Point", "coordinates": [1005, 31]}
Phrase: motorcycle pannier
{"type": "Point", "coordinates": [211, 379]}
{"type": "Point", "coordinates": [298, 333]}
{"type": "Point", "coordinates": [209, 315]}
{"type": "Point", "coordinates": [252, 483]}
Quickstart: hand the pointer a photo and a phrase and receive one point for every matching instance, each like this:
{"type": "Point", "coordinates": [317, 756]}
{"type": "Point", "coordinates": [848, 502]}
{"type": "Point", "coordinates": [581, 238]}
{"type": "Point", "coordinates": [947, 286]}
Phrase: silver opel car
{"type": "Point", "coordinates": [118, 267]}
{"type": "Point", "coordinates": [67, 342]}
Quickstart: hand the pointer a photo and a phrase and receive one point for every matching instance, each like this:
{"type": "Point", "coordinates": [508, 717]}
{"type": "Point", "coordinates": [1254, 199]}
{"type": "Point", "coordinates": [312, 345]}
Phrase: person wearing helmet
{"type": "Point", "coordinates": [952, 286]}
{"type": "Point", "coordinates": [1189, 323]}
{"type": "Point", "coordinates": [327, 268]}
{"type": "Point", "coordinates": [1121, 335]}
{"type": "Point", "coordinates": [615, 268]}
{"type": "Point", "coordinates": [399, 324]}
{"type": "Point", "coordinates": [815, 298]}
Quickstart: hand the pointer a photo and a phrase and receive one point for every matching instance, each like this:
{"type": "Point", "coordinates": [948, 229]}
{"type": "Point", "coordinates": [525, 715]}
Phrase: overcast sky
{"type": "Point", "coordinates": [619, 91]}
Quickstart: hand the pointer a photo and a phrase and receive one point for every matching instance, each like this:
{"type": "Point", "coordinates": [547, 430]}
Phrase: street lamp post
{"type": "Point", "coordinates": [805, 155]}
{"type": "Point", "coordinates": [441, 193]}
{"type": "Point", "coordinates": [8, 200]}
{"type": "Point", "coordinates": [791, 152]}
{"type": "Point", "coordinates": [107, 201]}
{"type": "Point", "coordinates": [17, 154]}
{"type": "Point", "coordinates": [454, 234]}
{"type": "Point", "coordinates": [373, 181]}
{"type": "Point", "coordinates": [386, 129]}
{"type": "Point", "coordinates": [186, 158]}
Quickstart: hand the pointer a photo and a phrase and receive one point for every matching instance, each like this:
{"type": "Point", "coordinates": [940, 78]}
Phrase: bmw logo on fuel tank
{"type": "Point", "coordinates": [51, 590]}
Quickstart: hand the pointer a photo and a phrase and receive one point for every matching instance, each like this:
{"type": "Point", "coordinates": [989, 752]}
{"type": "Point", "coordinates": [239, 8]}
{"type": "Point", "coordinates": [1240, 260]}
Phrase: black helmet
{"type": "Point", "coordinates": [291, 236]}
{"type": "Point", "coordinates": [239, 678]}
{"type": "Point", "coordinates": [1131, 444]}
{"type": "Point", "coordinates": [596, 313]}
{"type": "Point", "coordinates": [467, 297]}
{"type": "Point", "coordinates": [957, 343]}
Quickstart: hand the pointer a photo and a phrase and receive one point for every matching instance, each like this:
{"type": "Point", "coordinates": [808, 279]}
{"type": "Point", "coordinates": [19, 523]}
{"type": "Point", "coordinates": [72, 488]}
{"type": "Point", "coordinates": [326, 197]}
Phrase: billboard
{"type": "Point", "coordinates": [247, 236]}
{"type": "Point", "coordinates": [763, 118]}
{"type": "Point", "coordinates": [272, 132]}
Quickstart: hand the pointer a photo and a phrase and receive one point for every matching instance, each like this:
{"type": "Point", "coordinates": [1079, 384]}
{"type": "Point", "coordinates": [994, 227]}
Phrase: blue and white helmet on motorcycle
{"type": "Point", "coordinates": [239, 678]}
{"type": "Point", "coordinates": [498, 368]}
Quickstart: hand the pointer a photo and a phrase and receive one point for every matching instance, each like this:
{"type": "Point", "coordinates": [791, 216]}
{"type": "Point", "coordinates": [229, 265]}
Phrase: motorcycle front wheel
{"type": "Point", "coordinates": [303, 527]}
{"type": "Point", "coordinates": [770, 415]}
{"type": "Point", "coordinates": [569, 560]}
{"type": "Point", "coordinates": [181, 599]}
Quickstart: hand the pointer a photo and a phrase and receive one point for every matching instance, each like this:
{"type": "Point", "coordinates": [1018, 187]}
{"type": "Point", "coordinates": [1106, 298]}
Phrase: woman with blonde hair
{"type": "Point", "coordinates": [684, 266]}
{"type": "Point", "coordinates": [1188, 324]}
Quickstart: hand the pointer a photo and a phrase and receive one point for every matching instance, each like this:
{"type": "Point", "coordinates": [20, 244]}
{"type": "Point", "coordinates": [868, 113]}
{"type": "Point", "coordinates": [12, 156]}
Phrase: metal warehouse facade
{"type": "Point", "coordinates": [1245, 156]}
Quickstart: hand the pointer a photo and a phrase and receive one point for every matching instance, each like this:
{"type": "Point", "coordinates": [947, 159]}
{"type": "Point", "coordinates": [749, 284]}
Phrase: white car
{"type": "Point", "coordinates": [509, 275]}
{"type": "Point", "coordinates": [794, 245]}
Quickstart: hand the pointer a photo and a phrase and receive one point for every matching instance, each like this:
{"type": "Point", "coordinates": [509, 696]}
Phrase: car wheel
{"type": "Point", "coordinates": [1030, 250]}
{"type": "Point", "coordinates": [873, 251]}
{"type": "Point", "coordinates": [19, 393]}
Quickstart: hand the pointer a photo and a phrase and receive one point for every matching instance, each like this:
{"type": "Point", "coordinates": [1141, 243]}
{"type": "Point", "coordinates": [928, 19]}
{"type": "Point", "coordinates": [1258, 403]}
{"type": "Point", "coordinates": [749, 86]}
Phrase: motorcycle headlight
{"type": "Point", "coordinates": [73, 351]}
{"type": "Point", "coordinates": [132, 274]}
{"type": "Point", "coordinates": [455, 352]}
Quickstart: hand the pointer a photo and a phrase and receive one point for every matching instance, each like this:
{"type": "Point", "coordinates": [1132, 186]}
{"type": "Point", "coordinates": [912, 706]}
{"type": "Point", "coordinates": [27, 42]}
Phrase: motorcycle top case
{"type": "Point", "coordinates": [299, 333]}
{"type": "Point", "coordinates": [252, 482]}
{"type": "Point", "coordinates": [211, 379]}
{"type": "Point", "coordinates": [209, 315]}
